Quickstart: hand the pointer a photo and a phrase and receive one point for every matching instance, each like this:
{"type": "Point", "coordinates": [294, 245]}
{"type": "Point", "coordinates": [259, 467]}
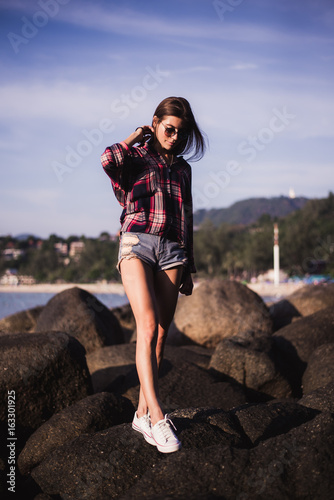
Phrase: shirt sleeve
{"type": "Point", "coordinates": [113, 161]}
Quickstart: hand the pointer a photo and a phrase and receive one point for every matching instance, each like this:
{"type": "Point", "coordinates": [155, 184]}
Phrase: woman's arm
{"type": "Point", "coordinates": [141, 134]}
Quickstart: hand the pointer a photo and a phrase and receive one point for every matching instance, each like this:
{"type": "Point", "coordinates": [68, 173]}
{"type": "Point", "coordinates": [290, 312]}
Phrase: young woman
{"type": "Point", "coordinates": [152, 182]}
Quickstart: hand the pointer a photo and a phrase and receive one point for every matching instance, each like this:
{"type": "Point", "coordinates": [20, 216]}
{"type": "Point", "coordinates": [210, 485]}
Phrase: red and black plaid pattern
{"type": "Point", "coordinates": [156, 198]}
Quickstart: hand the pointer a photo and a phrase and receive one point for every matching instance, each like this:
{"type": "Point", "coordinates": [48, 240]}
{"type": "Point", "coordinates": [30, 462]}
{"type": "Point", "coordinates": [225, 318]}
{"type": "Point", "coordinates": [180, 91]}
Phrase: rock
{"type": "Point", "coordinates": [319, 371]}
{"type": "Point", "coordinates": [320, 399]}
{"type": "Point", "coordinates": [313, 298]}
{"type": "Point", "coordinates": [295, 343]}
{"type": "Point", "coordinates": [109, 365]}
{"type": "Point", "coordinates": [43, 373]}
{"type": "Point", "coordinates": [21, 322]}
{"type": "Point", "coordinates": [283, 313]}
{"type": "Point", "coordinates": [298, 464]}
{"type": "Point", "coordinates": [262, 421]}
{"type": "Point", "coordinates": [102, 465]}
{"type": "Point", "coordinates": [220, 308]}
{"type": "Point", "coordinates": [83, 316]}
{"type": "Point", "coordinates": [126, 319]}
{"type": "Point", "coordinates": [87, 416]}
{"type": "Point", "coordinates": [253, 363]}
{"type": "Point", "coordinates": [183, 384]}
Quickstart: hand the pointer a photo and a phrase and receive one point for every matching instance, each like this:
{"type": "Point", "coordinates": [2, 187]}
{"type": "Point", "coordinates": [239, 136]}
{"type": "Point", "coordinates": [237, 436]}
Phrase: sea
{"type": "Point", "coordinates": [14, 302]}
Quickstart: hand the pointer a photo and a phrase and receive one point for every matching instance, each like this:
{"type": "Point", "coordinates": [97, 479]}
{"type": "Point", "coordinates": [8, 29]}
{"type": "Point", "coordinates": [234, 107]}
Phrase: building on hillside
{"type": "Point", "coordinates": [61, 248]}
{"type": "Point", "coordinates": [76, 248]}
{"type": "Point", "coordinates": [12, 253]}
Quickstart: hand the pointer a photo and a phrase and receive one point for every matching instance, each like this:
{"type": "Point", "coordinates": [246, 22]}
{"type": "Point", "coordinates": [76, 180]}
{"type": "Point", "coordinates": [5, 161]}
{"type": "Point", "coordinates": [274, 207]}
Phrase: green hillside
{"type": "Point", "coordinates": [306, 238]}
{"type": "Point", "coordinates": [248, 211]}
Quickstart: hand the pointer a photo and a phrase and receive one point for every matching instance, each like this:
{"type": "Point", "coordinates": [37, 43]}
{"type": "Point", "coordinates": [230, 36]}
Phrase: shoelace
{"type": "Point", "coordinates": [164, 428]}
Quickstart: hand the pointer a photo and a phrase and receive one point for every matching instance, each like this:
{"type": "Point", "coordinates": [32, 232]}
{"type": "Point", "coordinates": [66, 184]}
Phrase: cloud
{"type": "Point", "coordinates": [244, 66]}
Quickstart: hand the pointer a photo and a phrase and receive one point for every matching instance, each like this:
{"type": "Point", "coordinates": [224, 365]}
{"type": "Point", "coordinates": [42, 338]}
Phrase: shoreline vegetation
{"type": "Point", "coordinates": [262, 289]}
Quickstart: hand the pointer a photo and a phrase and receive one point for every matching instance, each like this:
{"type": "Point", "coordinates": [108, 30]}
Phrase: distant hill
{"type": "Point", "coordinates": [248, 211]}
{"type": "Point", "coordinates": [26, 236]}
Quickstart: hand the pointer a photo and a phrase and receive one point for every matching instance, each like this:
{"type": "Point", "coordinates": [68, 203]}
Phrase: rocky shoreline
{"type": "Point", "coordinates": [249, 387]}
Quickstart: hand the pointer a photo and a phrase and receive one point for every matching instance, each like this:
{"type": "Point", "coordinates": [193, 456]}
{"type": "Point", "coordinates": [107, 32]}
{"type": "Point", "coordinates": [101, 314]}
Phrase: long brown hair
{"type": "Point", "coordinates": [195, 142]}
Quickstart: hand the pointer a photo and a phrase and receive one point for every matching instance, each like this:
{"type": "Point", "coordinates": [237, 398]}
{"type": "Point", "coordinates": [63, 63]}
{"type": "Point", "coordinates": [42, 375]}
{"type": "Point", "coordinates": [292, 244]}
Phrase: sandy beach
{"type": "Point", "coordinates": [262, 289]}
{"type": "Point", "coordinates": [59, 287]}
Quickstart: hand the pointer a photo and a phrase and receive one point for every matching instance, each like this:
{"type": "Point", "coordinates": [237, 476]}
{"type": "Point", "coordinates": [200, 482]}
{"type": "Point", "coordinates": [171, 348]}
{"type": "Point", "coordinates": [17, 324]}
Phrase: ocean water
{"type": "Point", "coordinates": [13, 302]}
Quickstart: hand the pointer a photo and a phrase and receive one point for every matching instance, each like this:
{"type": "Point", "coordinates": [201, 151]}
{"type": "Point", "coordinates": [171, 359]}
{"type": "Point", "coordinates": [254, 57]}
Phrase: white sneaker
{"type": "Point", "coordinates": [164, 436]}
{"type": "Point", "coordinates": [143, 425]}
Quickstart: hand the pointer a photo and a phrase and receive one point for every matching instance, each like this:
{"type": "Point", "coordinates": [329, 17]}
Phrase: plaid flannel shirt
{"type": "Point", "coordinates": [156, 199]}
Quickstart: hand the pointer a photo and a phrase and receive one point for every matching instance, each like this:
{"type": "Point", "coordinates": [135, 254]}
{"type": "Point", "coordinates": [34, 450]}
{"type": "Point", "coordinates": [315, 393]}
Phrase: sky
{"type": "Point", "coordinates": [77, 76]}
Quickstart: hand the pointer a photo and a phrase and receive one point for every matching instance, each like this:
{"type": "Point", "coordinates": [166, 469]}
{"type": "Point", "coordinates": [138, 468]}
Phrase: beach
{"type": "Point", "coordinates": [263, 289]}
{"type": "Point", "coordinates": [95, 288]}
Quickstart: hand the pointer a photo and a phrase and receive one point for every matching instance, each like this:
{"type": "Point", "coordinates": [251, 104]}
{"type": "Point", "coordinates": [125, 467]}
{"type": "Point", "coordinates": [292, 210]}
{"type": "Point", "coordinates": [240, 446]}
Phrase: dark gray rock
{"type": "Point", "coordinates": [126, 319]}
{"type": "Point", "coordinates": [109, 366]}
{"type": "Point", "coordinates": [45, 371]}
{"type": "Point", "coordinates": [320, 399]}
{"type": "Point", "coordinates": [83, 316]}
{"type": "Point", "coordinates": [262, 421]}
{"type": "Point", "coordinates": [295, 344]}
{"type": "Point", "coordinates": [313, 298]}
{"type": "Point", "coordinates": [298, 464]}
{"type": "Point", "coordinates": [87, 416]}
{"type": "Point", "coordinates": [21, 322]}
{"type": "Point", "coordinates": [183, 384]}
{"type": "Point", "coordinates": [100, 466]}
{"type": "Point", "coordinates": [319, 371]}
{"type": "Point", "coordinates": [219, 309]}
{"type": "Point", "coordinates": [252, 362]}
{"type": "Point", "coordinates": [283, 313]}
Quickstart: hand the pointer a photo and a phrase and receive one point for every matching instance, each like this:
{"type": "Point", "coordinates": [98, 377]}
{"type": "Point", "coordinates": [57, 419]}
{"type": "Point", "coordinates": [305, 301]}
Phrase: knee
{"type": "Point", "coordinates": [147, 330]}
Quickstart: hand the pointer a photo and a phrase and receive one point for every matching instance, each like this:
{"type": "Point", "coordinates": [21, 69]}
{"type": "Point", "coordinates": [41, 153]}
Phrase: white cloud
{"type": "Point", "coordinates": [244, 66]}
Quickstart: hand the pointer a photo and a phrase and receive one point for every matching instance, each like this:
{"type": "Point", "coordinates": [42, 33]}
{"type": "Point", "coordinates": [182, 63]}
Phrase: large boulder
{"type": "Point", "coordinates": [312, 298]}
{"type": "Point", "coordinates": [87, 416]}
{"type": "Point", "coordinates": [296, 464]}
{"type": "Point", "coordinates": [183, 384]}
{"type": "Point", "coordinates": [319, 371]}
{"type": "Point", "coordinates": [252, 362]}
{"type": "Point", "coordinates": [102, 465]}
{"type": "Point", "coordinates": [109, 365]}
{"type": "Point", "coordinates": [43, 373]}
{"type": "Point", "coordinates": [320, 399]}
{"type": "Point", "coordinates": [126, 319]}
{"type": "Point", "coordinates": [260, 422]}
{"type": "Point", "coordinates": [81, 315]}
{"type": "Point", "coordinates": [274, 450]}
{"type": "Point", "coordinates": [295, 343]}
{"type": "Point", "coordinates": [220, 308]}
{"type": "Point", "coordinates": [21, 322]}
{"type": "Point", "coordinates": [283, 313]}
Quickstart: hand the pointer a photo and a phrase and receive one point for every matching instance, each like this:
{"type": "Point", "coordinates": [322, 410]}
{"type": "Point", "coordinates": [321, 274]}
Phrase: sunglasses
{"type": "Point", "coordinates": [170, 131]}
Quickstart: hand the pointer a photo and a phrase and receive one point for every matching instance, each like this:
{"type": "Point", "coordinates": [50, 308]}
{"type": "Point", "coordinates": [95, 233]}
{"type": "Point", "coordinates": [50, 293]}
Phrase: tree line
{"type": "Point", "coordinates": [306, 239]}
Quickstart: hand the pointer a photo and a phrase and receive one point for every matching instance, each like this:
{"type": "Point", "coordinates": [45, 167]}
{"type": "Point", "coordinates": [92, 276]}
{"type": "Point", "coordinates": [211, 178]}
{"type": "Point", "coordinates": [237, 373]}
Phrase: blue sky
{"type": "Point", "coordinates": [77, 76]}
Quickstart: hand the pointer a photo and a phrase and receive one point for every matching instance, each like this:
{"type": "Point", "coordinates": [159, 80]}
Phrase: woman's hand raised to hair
{"type": "Point", "coordinates": [141, 135]}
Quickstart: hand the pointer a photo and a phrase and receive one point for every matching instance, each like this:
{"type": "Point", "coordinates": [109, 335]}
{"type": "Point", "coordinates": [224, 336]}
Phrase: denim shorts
{"type": "Point", "coordinates": [157, 251]}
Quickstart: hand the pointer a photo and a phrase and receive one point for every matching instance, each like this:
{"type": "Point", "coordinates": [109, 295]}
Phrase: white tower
{"type": "Point", "coordinates": [276, 255]}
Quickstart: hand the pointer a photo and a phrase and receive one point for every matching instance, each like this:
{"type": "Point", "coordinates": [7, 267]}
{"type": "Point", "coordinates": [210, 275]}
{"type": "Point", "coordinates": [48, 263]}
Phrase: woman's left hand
{"type": "Point", "coordinates": [187, 284]}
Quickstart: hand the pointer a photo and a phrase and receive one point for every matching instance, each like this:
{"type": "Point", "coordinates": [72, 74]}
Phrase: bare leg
{"type": "Point", "coordinates": [153, 301]}
{"type": "Point", "coordinates": [166, 285]}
